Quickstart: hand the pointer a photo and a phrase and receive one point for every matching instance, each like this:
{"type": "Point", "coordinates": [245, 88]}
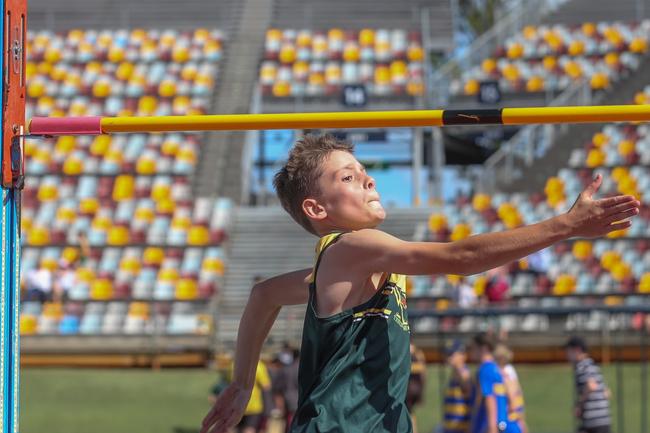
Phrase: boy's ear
{"type": "Point", "coordinates": [313, 209]}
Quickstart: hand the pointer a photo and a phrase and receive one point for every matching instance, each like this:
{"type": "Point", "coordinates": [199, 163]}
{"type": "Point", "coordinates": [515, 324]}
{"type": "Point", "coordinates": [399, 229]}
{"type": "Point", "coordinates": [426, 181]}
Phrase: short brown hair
{"type": "Point", "coordinates": [298, 178]}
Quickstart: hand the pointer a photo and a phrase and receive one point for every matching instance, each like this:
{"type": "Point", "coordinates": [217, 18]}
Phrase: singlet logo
{"type": "Point", "coordinates": [400, 314]}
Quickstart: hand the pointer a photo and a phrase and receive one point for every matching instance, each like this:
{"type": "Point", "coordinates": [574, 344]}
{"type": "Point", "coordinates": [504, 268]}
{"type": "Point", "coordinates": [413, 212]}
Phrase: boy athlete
{"type": "Point", "coordinates": [354, 365]}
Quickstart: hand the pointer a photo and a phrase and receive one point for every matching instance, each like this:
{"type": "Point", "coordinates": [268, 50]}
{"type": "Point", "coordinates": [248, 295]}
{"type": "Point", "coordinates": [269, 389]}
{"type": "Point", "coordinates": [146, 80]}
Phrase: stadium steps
{"type": "Point", "coordinates": [577, 135]}
{"type": "Point", "coordinates": [219, 171]}
{"type": "Point", "coordinates": [265, 241]}
{"type": "Point", "coordinates": [388, 14]}
{"type": "Point", "coordinates": [581, 11]}
{"type": "Point", "coordinates": [62, 15]}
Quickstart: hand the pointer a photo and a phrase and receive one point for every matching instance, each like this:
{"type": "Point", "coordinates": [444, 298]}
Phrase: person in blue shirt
{"type": "Point", "coordinates": [490, 413]}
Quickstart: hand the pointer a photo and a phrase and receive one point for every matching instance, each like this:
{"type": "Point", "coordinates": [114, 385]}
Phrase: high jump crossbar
{"type": "Point", "coordinates": [57, 126]}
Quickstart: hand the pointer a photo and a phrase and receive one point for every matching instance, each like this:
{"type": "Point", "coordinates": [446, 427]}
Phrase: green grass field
{"type": "Point", "coordinates": [144, 401]}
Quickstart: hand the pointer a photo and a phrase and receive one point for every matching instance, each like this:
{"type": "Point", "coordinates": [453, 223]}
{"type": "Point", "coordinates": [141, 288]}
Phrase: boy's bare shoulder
{"type": "Point", "coordinates": [365, 240]}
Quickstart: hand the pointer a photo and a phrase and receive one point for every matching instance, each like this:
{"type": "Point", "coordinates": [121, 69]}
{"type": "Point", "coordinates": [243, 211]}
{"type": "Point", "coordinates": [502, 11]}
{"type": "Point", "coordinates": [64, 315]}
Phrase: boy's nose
{"type": "Point", "coordinates": [370, 182]}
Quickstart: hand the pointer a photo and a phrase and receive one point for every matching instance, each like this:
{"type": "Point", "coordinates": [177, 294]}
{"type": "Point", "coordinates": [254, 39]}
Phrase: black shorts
{"type": "Point", "coordinates": [600, 429]}
{"type": "Point", "coordinates": [254, 421]}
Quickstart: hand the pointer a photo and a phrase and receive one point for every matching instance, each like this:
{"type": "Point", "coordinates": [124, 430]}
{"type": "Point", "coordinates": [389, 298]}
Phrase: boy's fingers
{"type": "Point", "coordinates": [619, 226]}
{"type": "Point", "coordinates": [613, 201]}
{"type": "Point", "coordinates": [622, 216]}
{"type": "Point", "coordinates": [620, 210]}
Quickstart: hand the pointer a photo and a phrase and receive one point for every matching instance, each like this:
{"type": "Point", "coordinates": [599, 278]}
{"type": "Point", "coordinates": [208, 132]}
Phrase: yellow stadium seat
{"type": "Point", "coordinates": [101, 222]}
{"type": "Point", "coordinates": [582, 250]}
{"type": "Point", "coordinates": [70, 254]}
{"type": "Point", "coordinates": [549, 63]}
{"type": "Point", "coordinates": [479, 285]}
{"type": "Point", "coordinates": [303, 39]}
{"type": "Point", "coordinates": [273, 34]}
{"type": "Point", "coordinates": [437, 222]}
{"type": "Point", "coordinates": [644, 283]}
{"type": "Point", "coordinates": [471, 87]}
{"type": "Point", "coordinates": [145, 165]}
{"type": "Point", "coordinates": [600, 139]}
{"type": "Point", "coordinates": [139, 309]}
{"type": "Point", "coordinates": [589, 29]}
{"type": "Point", "coordinates": [595, 158]}
{"type": "Point", "coordinates": [489, 66]}
{"type": "Point", "coordinates": [53, 310]}
{"type": "Point", "coordinates": [460, 231]}
{"type": "Point", "coordinates": [619, 173]}
{"type": "Point", "coordinates": [515, 51]}
{"type": "Point", "coordinates": [453, 279]}
{"type": "Point", "coordinates": [281, 89]}
{"type": "Point", "coordinates": [65, 145]}
{"type": "Point", "coordinates": [511, 72]}
{"type": "Point", "coordinates": [66, 214]}
{"type": "Point", "coordinates": [198, 235]}
{"type": "Point", "coordinates": [535, 84]}
{"type": "Point", "coordinates": [367, 37]}
{"type": "Point", "coordinates": [213, 264]}
{"type": "Point", "coordinates": [287, 54]}
{"type": "Point", "coordinates": [612, 59]}
{"type": "Point", "coordinates": [576, 48]}
{"type": "Point", "coordinates": [167, 88]}
{"type": "Point", "coordinates": [130, 264]}
{"type": "Point", "coordinates": [608, 259]}
{"type": "Point", "coordinates": [144, 214]}
{"type": "Point", "coordinates": [415, 88]}
{"type": "Point", "coordinates": [316, 79]}
{"type": "Point", "coordinates": [573, 69]}
{"type": "Point", "coordinates": [49, 263]}
{"type": "Point", "coordinates": [564, 285]}
{"type": "Point", "coordinates": [124, 71]}
{"type": "Point", "coordinates": [351, 52]}
{"type": "Point", "coordinates": [187, 289]}
{"type": "Point", "coordinates": [481, 202]}
{"type": "Point", "coordinates": [101, 88]}
{"type": "Point", "coordinates": [168, 274]}
{"type": "Point", "coordinates": [153, 256]}
{"type": "Point", "coordinates": [189, 71]}
{"type": "Point", "coordinates": [382, 75]}
{"type": "Point", "coordinates": [626, 147]}
{"type": "Point", "coordinates": [166, 206]}
{"type": "Point", "coordinates": [123, 188]}
{"type": "Point", "coordinates": [88, 205]}
{"type": "Point", "coordinates": [639, 45]}
{"type": "Point", "coordinates": [620, 271]}
{"type": "Point", "coordinates": [181, 222]}
{"type": "Point", "coordinates": [28, 324]}
{"type": "Point", "coordinates": [101, 289]}
{"type": "Point", "coordinates": [180, 54]}
{"type": "Point", "coordinates": [116, 54]}
{"type": "Point", "coordinates": [118, 236]}
{"type": "Point", "coordinates": [160, 191]}
{"type": "Point", "coordinates": [48, 192]}
{"type": "Point", "coordinates": [415, 53]}
{"type": "Point", "coordinates": [73, 166]}
{"type": "Point", "coordinates": [529, 32]}
{"type": "Point", "coordinates": [147, 104]}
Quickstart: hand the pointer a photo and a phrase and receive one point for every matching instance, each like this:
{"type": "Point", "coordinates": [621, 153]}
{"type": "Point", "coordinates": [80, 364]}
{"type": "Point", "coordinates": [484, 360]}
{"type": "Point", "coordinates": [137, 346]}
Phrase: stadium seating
{"type": "Point", "coordinates": [156, 256]}
{"type": "Point", "coordinates": [550, 58]}
{"type": "Point", "coordinates": [306, 63]}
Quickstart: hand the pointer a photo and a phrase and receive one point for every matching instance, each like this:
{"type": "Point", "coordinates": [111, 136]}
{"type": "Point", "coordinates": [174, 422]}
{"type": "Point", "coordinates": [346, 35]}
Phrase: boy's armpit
{"type": "Point", "coordinates": [291, 288]}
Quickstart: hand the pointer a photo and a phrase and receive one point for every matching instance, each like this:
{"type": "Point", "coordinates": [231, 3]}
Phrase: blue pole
{"type": "Point", "coordinates": [9, 276]}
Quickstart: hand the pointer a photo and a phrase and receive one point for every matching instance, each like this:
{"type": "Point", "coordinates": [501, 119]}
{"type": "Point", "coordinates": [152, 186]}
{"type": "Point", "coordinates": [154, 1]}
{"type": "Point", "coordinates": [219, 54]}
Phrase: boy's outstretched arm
{"type": "Point", "coordinates": [264, 303]}
{"type": "Point", "coordinates": [376, 251]}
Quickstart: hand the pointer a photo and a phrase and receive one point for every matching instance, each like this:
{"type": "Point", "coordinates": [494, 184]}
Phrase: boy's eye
{"type": "Point", "coordinates": [347, 178]}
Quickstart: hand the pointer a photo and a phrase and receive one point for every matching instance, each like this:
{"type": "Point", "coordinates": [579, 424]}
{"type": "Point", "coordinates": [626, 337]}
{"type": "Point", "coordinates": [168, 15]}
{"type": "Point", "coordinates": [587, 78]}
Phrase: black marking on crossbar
{"type": "Point", "coordinates": [472, 117]}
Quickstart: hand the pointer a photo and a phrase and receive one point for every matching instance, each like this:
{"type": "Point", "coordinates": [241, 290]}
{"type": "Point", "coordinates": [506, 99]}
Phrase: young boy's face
{"type": "Point", "coordinates": [347, 194]}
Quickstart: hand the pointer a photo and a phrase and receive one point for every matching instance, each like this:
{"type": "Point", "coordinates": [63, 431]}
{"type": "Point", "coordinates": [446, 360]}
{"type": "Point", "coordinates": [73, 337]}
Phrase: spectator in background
{"type": "Point", "coordinates": [498, 287]}
{"type": "Point", "coordinates": [458, 396]}
{"type": "Point", "coordinates": [39, 284]}
{"type": "Point", "coordinates": [491, 404]}
{"type": "Point", "coordinates": [464, 295]}
{"type": "Point", "coordinates": [516, 413]}
{"type": "Point", "coordinates": [592, 396]}
{"type": "Point", "coordinates": [65, 279]}
{"type": "Point", "coordinates": [84, 247]}
{"type": "Point", "coordinates": [415, 388]}
{"type": "Point", "coordinates": [285, 385]}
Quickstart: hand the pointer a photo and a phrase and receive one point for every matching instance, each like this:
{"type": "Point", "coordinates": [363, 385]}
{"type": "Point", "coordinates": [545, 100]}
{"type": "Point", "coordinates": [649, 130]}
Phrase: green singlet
{"type": "Point", "coordinates": [355, 365]}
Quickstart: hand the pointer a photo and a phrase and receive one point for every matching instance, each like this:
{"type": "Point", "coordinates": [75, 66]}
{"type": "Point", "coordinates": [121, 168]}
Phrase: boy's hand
{"type": "Point", "coordinates": [228, 409]}
{"type": "Point", "coordinates": [591, 218]}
